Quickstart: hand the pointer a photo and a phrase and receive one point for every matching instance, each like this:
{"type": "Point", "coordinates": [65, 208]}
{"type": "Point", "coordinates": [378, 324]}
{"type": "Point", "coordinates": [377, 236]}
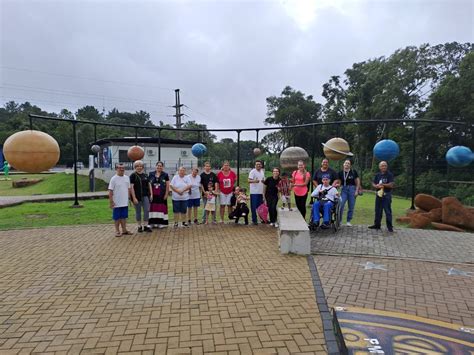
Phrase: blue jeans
{"type": "Point", "coordinates": [383, 204]}
{"type": "Point", "coordinates": [255, 201]}
{"type": "Point", "coordinates": [326, 207]}
{"type": "Point", "coordinates": [347, 194]}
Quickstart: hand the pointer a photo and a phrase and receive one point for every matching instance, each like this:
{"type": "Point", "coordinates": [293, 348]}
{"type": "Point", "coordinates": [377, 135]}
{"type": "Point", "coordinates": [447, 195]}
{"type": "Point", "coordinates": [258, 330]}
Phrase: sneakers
{"type": "Point", "coordinates": [272, 224]}
{"type": "Point", "coordinates": [325, 226]}
{"type": "Point", "coordinates": [161, 226]}
{"type": "Point", "coordinates": [349, 224]}
{"type": "Point", "coordinates": [195, 221]}
{"type": "Point", "coordinates": [374, 227]}
{"type": "Point", "coordinates": [185, 224]}
{"type": "Point", "coordinates": [147, 229]}
{"type": "Point", "coordinates": [277, 225]}
{"type": "Point", "coordinates": [176, 225]}
{"type": "Point", "coordinates": [390, 230]}
{"type": "Point", "coordinates": [140, 229]}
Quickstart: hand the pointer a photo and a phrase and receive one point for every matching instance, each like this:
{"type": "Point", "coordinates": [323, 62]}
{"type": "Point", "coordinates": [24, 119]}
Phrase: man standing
{"type": "Point", "coordinates": [383, 183]}
{"type": "Point", "coordinates": [119, 193]}
{"type": "Point", "coordinates": [207, 176]}
{"type": "Point", "coordinates": [256, 179]}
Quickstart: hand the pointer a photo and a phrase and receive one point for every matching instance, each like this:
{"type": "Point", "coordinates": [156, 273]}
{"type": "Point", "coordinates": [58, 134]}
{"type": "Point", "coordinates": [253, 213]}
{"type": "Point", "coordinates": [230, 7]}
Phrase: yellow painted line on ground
{"type": "Point", "coordinates": [408, 330]}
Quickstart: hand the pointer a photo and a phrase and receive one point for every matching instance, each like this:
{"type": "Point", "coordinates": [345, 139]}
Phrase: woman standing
{"type": "Point", "coordinates": [300, 180]}
{"type": "Point", "coordinates": [180, 185]}
{"type": "Point", "coordinates": [160, 186]}
{"type": "Point", "coordinates": [195, 195]}
{"type": "Point", "coordinates": [350, 183]}
{"type": "Point", "coordinates": [226, 179]}
{"type": "Point", "coordinates": [141, 193]}
{"type": "Point", "coordinates": [270, 193]}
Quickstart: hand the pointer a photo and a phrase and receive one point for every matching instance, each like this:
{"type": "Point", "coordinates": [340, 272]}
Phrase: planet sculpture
{"type": "Point", "coordinates": [31, 151]}
{"type": "Point", "coordinates": [336, 149]}
{"type": "Point", "coordinates": [135, 152]}
{"type": "Point", "coordinates": [290, 156]}
{"type": "Point", "coordinates": [386, 150]}
{"type": "Point", "coordinates": [459, 156]}
{"type": "Point", "coordinates": [257, 151]}
{"type": "Point", "coordinates": [198, 150]}
{"type": "Point", "coordinates": [95, 149]}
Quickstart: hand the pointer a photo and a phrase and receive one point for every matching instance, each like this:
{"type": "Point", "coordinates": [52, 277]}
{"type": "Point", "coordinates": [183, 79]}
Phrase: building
{"type": "Point", "coordinates": [174, 153]}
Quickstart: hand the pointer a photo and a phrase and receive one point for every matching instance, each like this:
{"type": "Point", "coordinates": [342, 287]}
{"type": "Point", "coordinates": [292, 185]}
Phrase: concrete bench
{"type": "Point", "coordinates": [293, 233]}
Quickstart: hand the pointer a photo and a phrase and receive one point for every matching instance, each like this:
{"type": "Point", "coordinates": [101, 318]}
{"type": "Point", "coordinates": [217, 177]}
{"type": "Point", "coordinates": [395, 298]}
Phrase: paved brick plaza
{"type": "Point", "coordinates": [218, 289]}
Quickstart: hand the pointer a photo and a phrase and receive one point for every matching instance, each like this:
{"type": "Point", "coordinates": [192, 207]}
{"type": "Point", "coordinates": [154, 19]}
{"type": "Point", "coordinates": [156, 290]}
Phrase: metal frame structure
{"type": "Point", "coordinates": [338, 124]}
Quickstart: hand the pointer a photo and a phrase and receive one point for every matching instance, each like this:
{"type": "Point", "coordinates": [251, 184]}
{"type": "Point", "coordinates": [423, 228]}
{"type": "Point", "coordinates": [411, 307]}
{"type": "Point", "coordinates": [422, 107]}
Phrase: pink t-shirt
{"type": "Point", "coordinates": [226, 182]}
{"type": "Point", "coordinates": [299, 178]}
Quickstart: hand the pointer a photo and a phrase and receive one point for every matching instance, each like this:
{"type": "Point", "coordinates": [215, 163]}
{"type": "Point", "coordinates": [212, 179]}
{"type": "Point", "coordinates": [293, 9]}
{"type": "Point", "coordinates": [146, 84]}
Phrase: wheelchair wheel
{"type": "Point", "coordinates": [336, 217]}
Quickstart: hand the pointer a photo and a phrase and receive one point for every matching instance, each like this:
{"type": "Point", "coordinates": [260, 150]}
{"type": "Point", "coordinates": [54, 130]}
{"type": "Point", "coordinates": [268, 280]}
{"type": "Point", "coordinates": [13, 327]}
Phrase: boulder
{"type": "Point", "coordinates": [454, 213]}
{"type": "Point", "coordinates": [427, 202]}
{"type": "Point", "coordinates": [25, 182]}
{"type": "Point", "coordinates": [446, 227]}
{"type": "Point", "coordinates": [418, 220]}
{"type": "Point", "coordinates": [404, 219]}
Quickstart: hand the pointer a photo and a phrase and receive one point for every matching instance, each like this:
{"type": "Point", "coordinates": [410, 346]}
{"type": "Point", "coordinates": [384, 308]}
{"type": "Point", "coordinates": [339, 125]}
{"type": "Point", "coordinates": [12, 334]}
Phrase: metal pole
{"type": "Point", "coordinates": [413, 156]}
{"type": "Point", "coordinates": [136, 136]}
{"type": "Point", "coordinates": [159, 145]}
{"type": "Point", "coordinates": [313, 149]}
{"type": "Point", "coordinates": [257, 130]}
{"type": "Point", "coordinates": [74, 133]}
{"type": "Point", "coordinates": [31, 123]}
{"type": "Point", "coordinates": [238, 157]}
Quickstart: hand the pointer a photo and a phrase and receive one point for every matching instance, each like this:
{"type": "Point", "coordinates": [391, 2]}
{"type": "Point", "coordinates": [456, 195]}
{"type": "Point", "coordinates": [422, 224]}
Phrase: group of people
{"type": "Point", "coordinates": [216, 192]}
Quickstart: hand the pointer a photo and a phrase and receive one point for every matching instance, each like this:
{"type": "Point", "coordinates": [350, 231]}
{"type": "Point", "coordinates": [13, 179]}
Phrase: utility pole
{"type": "Point", "coordinates": [178, 114]}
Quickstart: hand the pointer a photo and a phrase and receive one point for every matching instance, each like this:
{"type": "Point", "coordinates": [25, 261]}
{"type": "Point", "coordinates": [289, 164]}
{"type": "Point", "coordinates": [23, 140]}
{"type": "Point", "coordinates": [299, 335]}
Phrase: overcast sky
{"type": "Point", "coordinates": [227, 57]}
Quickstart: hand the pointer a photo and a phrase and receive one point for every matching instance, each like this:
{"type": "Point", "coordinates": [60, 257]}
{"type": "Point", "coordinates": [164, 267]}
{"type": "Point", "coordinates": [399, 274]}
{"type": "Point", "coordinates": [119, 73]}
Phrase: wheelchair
{"type": "Point", "coordinates": [334, 219]}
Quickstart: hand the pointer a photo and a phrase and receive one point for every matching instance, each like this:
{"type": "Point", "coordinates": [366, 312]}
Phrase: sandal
{"type": "Point", "coordinates": [118, 234]}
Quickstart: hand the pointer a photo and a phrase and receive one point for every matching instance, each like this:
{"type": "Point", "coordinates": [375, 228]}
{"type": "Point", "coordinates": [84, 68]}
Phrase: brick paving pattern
{"type": "Point", "coordinates": [219, 289]}
{"type": "Point", "coordinates": [404, 243]}
{"type": "Point", "coordinates": [419, 288]}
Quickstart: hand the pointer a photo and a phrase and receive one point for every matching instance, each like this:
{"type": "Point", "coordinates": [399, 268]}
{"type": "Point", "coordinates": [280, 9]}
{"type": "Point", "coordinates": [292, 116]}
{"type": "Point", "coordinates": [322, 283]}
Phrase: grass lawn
{"type": "Point", "coordinates": [97, 211]}
{"type": "Point", "coordinates": [59, 183]}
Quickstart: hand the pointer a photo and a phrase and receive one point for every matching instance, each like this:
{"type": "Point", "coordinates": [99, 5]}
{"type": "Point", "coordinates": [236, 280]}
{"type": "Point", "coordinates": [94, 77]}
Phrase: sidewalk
{"type": "Point", "coordinates": [8, 201]}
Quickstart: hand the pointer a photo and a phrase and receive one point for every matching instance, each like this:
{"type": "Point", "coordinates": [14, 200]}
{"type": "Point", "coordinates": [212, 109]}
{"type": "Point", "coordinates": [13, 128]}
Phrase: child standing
{"type": "Point", "coordinates": [284, 188]}
{"type": "Point", "coordinates": [119, 193]}
{"type": "Point", "coordinates": [210, 207]}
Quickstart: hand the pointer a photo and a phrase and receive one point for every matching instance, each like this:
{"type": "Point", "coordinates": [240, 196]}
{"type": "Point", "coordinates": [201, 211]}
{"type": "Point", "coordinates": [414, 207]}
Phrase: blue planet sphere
{"type": "Point", "coordinates": [198, 150]}
{"type": "Point", "coordinates": [386, 150]}
{"type": "Point", "coordinates": [459, 156]}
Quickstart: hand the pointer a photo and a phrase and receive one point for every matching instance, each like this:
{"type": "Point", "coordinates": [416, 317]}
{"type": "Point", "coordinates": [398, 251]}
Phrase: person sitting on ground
{"type": "Point", "coordinates": [284, 187]}
{"type": "Point", "coordinates": [242, 209]}
{"type": "Point", "coordinates": [233, 202]}
{"type": "Point", "coordinates": [325, 195]}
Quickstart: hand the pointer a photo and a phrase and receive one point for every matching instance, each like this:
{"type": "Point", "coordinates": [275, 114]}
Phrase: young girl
{"type": "Point", "coordinates": [284, 188]}
{"type": "Point", "coordinates": [211, 202]}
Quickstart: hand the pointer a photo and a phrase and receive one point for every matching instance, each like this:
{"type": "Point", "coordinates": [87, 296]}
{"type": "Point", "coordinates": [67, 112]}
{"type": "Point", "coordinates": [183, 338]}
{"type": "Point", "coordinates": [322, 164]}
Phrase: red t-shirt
{"type": "Point", "coordinates": [226, 182]}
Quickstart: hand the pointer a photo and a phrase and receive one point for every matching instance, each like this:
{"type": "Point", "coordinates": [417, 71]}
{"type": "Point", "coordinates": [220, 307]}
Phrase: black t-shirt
{"type": "Point", "coordinates": [348, 178]}
{"type": "Point", "coordinates": [272, 186]}
{"type": "Point", "coordinates": [207, 178]}
{"type": "Point", "coordinates": [385, 178]}
{"type": "Point", "coordinates": [319, 173]}
{"type": "Point", "coordinates": [140, 185]}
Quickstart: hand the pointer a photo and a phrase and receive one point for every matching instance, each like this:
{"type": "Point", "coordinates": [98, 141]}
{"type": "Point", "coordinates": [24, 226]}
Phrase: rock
{"type": "Point", "coordinates": [25, 182]}
{"type": "Point", "coordinates": [404, 219]}
{"type": "Point", "coordinates": [454, 213]}
{"type": "Point", "coordinates": [418, 220]}
{"type": "Point", "coordinates": [427, 202]}
{"type": "Point", "coordinates": [446, 227]}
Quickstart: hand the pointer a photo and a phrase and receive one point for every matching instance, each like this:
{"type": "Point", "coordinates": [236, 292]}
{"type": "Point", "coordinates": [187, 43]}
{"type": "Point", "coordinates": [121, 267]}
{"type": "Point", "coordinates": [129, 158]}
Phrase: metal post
{"type": "Point", "coordinates": [313, 149]}
{"type": "Point", "coordinates": [74, 133]}
{"type": "Point", "coordinates": [31, 122]}
{"type": "Point", "coordinates": [238, 157]}
{"type": "Point", "coordinates": [257, 130]}
{"type": "Point", "coordinates": [413, 156]}
{"type": "Point", "coordinates": [159, 145]}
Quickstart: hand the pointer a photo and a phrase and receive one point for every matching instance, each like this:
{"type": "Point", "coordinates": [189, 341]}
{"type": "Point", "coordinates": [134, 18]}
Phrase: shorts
{"type": "Point", "coordinates": [120, 213]}
{"type": "Point", "coordinates": [180, 206]}
{"type": "Point", "coordinates": [285, 199]}
{"type": "Point", "coordinates": [194, 202]}
{"type": "Point", "coordinates": [224, 199]}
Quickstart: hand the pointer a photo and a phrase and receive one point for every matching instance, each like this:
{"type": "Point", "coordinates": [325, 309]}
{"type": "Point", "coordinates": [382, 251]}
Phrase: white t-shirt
{"type": "Point", "coordinates": [180, 183]}
{"type": "Point", "coordinates": [196, 182]}
{"type": "Point", "coordinates": [120, 186]}
{"type": "Point", "coordinates": [256, 188]}
{"type": "Point", "coordinates": [331, 193]}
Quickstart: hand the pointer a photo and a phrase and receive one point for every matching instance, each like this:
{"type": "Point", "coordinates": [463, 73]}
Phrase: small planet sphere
{"type": "Point", "coordinates": [257, 151]}
{"type": "Point", "coordinates": [31, 151]}
{"type": "Point", "coordinates": [386, 150]}
{"type": "Point", "coordinates": [459, 156]}
{"type": "Point", "coordinates": [198, 150]}
{"type": "Point", "coordinates": [95, 149]}
{"type": "Point", "coordinates": [336, 149]}
{"type": "Point", "coordinates": [290, 156]}
{"type": "Point", "coordinates": [135, 152]}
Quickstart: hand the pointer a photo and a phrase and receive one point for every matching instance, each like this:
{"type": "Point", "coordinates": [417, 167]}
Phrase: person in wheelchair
{"type": "Point", "coordinates": [326, 196]}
